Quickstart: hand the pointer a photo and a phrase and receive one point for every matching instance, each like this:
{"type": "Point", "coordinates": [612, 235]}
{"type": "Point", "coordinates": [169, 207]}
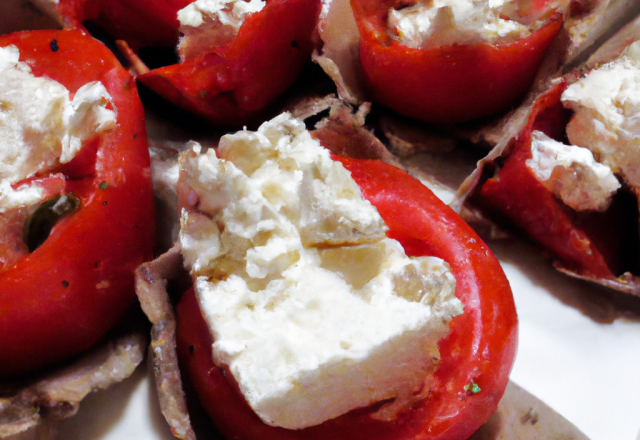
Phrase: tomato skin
{"type": "Point", "coordinates": [233, 86]}
{"type": "Point", "coordinates": [450, 83]}
{"type": "Point", "coordinates": [121, 18]}
{"type": "Point", "coordinates": [577, 240]}
{"type": "Point", "coordinates": [62, 298]}
{"type": "Point", "coordinates": [480, 347]}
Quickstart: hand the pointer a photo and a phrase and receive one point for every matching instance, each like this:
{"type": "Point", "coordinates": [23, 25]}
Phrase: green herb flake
{"type": "Point", "coordinates": [473, 388]}
{"type": "Point", "coordinates": [103, 185]}
{"type": "Point", "coordinates": [202, 94]}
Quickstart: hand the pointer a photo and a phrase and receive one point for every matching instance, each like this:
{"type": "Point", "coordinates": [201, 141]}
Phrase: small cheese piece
{"type": "Point", "coordinates": [40, 126]}
{"type": "Point", "coordinates": [226, 12]}
{"type": "Point", "coordinates": [208, 25]}
{"type": "Point", "coordinates": [312, 309]}
{"type": "Point", "coordinates": [607, 114]}
{"type": "Point", "coordinates": [571, 173]}
{"type": "Point", "coordinates": [446, 22]}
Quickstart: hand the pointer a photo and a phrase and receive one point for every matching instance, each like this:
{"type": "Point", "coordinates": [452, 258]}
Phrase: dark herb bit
{"type": "Point", "coordinates": [294, 43]}
{"type": "Point", "coordinates": [104, 203]}
{"type": "Point", "coordinates": [202, 94]}
{"type": "Point", "coordinates": [135, 136]}
{"type": "Point", "coordinates": [191, 349]}
{"type": "Point", "coordinates": [103, 185]}
{"type": "Point", "coordinates": [54, 45]}
{"type": "Point", "coordinates": [65, 283]}
{"type": "Point", "coordinates": [473, 388]}
{"type": "Point", "coordinates": [38, 227]}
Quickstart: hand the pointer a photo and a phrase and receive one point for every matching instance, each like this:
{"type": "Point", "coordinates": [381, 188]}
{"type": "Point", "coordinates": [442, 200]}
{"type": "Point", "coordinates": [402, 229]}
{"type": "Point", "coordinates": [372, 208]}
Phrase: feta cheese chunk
{"type": "Point", "coordinates": [40, 126]}
{"type": "Point", "coordinates": [208, 25]}
{"type": "Point", "coordinates": [313, 310]}
{"type": "Point", "coordinates": [446, 22]}
{"type": "Point", "coordinates": [572, 174]}
{"type": "Point", "coordinates": [226, 12]}
{"type": "Point", "coordinates": [606, 103]}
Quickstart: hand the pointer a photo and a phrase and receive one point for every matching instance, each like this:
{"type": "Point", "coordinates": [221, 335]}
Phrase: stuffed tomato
{"type": "Point", "coordinates": [334, 297]}
{"type": "Point", "coordinates": [77, 204]}
{"type": "Point", "coordinates": [237, 57]}
{"type": "Point", "coordinates": [569, 180]}
{"type": "Point", "coordinates": [445, 62]}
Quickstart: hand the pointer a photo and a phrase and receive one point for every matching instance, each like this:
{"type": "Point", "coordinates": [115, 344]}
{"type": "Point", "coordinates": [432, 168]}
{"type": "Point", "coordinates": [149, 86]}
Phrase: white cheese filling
{"type": "Point", "coordinates": [313, 310]}
{"type": "Point", "coordinates": [40, 126]}
{"type": "Point", "coordinates": [231, 13]}
{"type": "Point", "coordinates": [446, 22]}
{"type": "Point", "coordinates": [607, 113]}
{"type": "Point", "coordinates": [435, 23]}
{"type": "Point", "coordinates": [572, 174]}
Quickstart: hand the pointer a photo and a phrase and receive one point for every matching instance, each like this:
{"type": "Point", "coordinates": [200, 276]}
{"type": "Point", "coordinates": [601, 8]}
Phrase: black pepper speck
{"type": "Point", "coordinates": [54, 45]}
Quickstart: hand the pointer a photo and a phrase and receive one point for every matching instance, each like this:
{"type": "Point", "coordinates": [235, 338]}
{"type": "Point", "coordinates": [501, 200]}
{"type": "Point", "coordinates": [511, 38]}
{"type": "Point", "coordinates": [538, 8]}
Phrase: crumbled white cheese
{"type": "Point", "coordinates": [607, 114]}
{"type": "Point", "coordinates": [314, 311]}
{"type": "Point", "coordinates": [446, 22]}
{"type": "Point", "coordinates": [571, 173]}
{"type": "Point", "coordinates": [226, 12]}
{"type": "Point", "coordinates": [40, 127]}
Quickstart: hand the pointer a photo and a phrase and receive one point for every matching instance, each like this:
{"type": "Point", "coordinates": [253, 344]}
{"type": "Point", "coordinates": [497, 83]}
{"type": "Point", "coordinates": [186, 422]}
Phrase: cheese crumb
{"type": "Point", "coordinates": [572, 174]}
{"type": "Point", "coordinates": [40, 126]}
{"type": "Point", "coordinates": [312, 309]}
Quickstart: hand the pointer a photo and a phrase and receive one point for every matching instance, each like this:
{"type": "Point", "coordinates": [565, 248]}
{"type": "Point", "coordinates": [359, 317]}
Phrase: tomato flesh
{"type": "Point", "coordinates": [62, 298]}
{"type": "Point", "coordinates": [480, 347]}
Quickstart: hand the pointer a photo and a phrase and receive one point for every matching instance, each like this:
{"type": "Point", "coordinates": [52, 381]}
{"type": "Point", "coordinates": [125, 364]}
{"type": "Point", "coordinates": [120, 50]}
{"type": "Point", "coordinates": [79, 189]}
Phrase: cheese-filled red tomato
{"type": "Point", "coordinates": [62, 297]}
{"type": "Point", "coordinates": [479, 349]}
{"type": "Point", "coordinates": [448, 83]}
{"type": "Point", "coordinates": [599, 246]}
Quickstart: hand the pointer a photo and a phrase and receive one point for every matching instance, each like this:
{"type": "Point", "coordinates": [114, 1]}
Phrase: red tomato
{"type": "Point", "coordinates": [514, 197]}
{"type": "Point", "coordinates": [123, 19]}
{"type": "Point", "coordinates": [232, 85]}
{"type": "Point", "coordinates": [449, 83]}
{"type": "Point", "coordinates": [64, 296]}
{"type": "Point", "coordinates": [479, 349]}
